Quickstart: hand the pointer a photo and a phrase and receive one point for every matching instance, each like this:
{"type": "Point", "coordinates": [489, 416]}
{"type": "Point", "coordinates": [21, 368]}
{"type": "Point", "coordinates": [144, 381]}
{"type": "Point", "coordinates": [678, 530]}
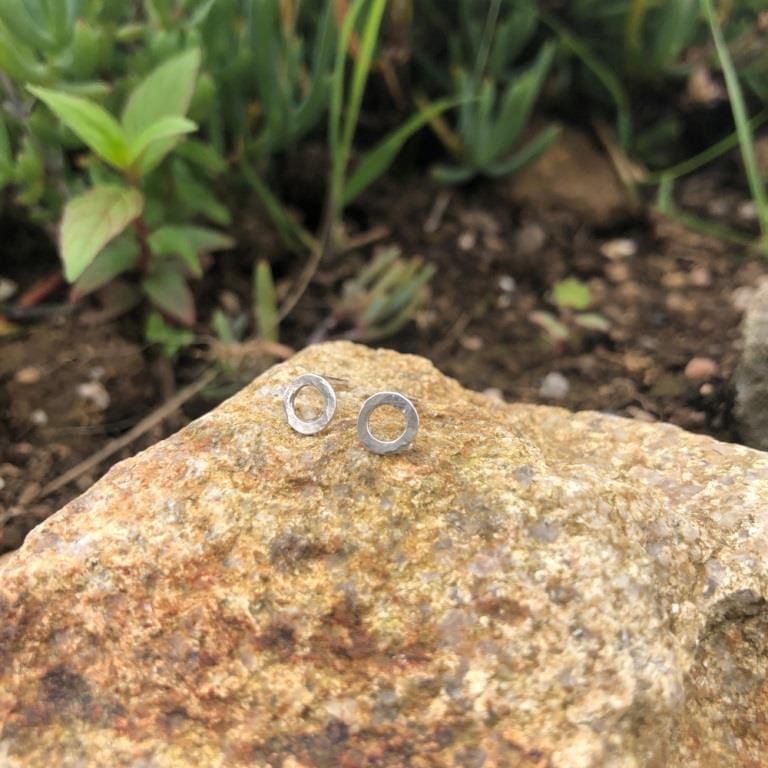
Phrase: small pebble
{"type": "Point", "coordinates": [700, 368]}
{"type": "Point", "coordinates": [529, 239]}
{"type": "Point", "coordinates": [701, 277]}
{"type": "Point", "coordinates": [7, 288]}
{"type": "Point", "coordinates": [94, 392]}
{"type": "Point", "coordinates": [39, 417]}
{"type": "Point", "coordinates": [554, 386]}
{"type": "Point", "coordinates": [617, 273]}
{"type": "Point", "coordinates": [638, 414]}
{"type": "Point", "coordinates": [29, 375]}
{"type": "Point", "coordinates": [747, 211]}
{"type": "Point", "coordinates": [621, 248]}
{"type": "Point", "coordinates": [467, 240]}
{"type": "Point", "coordinates": [495, 394]}
{"type": "Point", "coordinates": [472, 343]}
{"type": "Point", "coordinates": [507, 283]}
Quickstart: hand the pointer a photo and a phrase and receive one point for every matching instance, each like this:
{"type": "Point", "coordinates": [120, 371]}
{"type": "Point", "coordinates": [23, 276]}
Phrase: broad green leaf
{"type": "Point", "coordinates": [168, 291]}
{"type": "Point", "coordinates": [171, 338]}
{"type": "Point", "coordinates": [265, 309]}
{"type": "Point", "coordinates": [171, 127]}
{"type": "Point", "coordinates": [92, 220]}
{"type": "Point", "coordinates": [571, 293]}
{"type": "Point", "coordinates": [377, 161]}
{"type": "Point", "coordinates": [118, 257]}
{"type": "Point", "coordinates": [92, 123]}
{"type": "Point", "coordinates": [188, 242]}
{"type": "Point", "coordinates": [166, 91]}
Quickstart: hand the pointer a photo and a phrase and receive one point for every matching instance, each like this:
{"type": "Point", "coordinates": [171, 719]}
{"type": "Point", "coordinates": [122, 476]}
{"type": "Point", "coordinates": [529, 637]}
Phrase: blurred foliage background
{"type": "Point", "coordinates": [132, 131]}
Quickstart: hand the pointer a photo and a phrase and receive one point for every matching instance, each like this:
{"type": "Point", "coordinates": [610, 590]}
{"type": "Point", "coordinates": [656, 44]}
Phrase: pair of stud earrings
{"type": "Point", "coordinates": [320, 422]}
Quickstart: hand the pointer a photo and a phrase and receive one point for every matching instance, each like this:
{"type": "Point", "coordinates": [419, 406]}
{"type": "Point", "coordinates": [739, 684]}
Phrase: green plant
{"type": "Point", "coordinates": [383, 297]}
{"type": "Point", "coordinates": [743, 127]}
{"type": "Point", "coordinates": [165, 255]}
{"type": "Point", "coordinates": [571, 320]}
{"type": "Point", "coordinates": [495, 97]}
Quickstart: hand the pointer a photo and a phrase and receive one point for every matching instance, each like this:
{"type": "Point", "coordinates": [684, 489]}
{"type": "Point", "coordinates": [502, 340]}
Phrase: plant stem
{"type": "Point", "coordinates": [145, 255]}
{"type": "Point", "coordinates": [743, 128]}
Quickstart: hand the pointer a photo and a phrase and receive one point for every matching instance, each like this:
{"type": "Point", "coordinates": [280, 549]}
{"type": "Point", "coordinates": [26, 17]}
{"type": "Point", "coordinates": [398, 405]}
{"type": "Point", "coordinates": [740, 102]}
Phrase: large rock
{"type": "Point", "coordinates": [524, 587]}
{"type": "Point", "coordinates": [751, 377]}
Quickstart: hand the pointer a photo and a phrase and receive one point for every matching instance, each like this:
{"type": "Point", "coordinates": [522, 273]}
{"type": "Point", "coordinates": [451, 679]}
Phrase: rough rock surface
{"type": "Point", "coordinates": [751, 377]}
{"type": "Point", "coordinates": [524, 587]}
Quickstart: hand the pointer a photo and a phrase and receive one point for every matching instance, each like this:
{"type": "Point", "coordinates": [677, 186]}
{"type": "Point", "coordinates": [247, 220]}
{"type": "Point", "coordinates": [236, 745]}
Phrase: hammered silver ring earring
{"type": "Point", "coordinates": [309, 426]}
{"type": "Point", "coordinates": [405, 406]}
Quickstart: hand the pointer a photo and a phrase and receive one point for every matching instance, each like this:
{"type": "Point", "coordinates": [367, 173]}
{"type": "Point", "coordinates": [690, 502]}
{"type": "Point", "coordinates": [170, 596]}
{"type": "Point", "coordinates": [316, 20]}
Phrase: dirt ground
{"type": "Point", "coordinates": [672, 300]}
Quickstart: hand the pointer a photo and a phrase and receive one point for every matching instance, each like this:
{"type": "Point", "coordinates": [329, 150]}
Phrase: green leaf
{"type": "Point", "coordinates": [591, 321]}
{"type": "Point", "coordinates": [116, 258]}
{"type": "Point", "coordinates": [188, 243]}
{"type": "Point", "coordinates": [555, 330]}
{"type": "Point", "coordinates": [222, 327]}
{"type": "Point", "coordinates": [377, 161]}
{"type": "Point", "coordinates": [29, 172]}
{"type": "Point", "coordinates": [202, 155]}
{"type": "Point", "coordinates": [168, 291]}
{"type": "Point", "coordinates": [571, 293]}
{"type": "Point", "coordinates": [265, 299]}
{"type": "Point", "coordinates": [166, 91]}
{"type": "Point", "coordinates": [19, 17]}
{"type": "Point", "coordinates": [196, 197]}
{"type": "Point", "coordinates": [17, 60]}
{"type": "Point", "coordinates": [453, 174]}
{"type": "Point", "coordinates": [528, 154]}
{"type": "Point", "coordinates": [92, 123]}
{"type": "Point", "coordinates": [92, 220]}
{"type": "Point", "coordinates": [171, 127]}
{"type": "Point", "coordinates": [172, 339]}
{"type": "Point", "coordinates": [6, 158]}
{"type": "Point", "coordinates": [518, 102]}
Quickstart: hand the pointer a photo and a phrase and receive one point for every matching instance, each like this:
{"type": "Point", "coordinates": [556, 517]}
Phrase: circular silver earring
{"type": "Point", "coordinates": [311, 426]}
{"type": "Point", "coordinates": [405, 406]}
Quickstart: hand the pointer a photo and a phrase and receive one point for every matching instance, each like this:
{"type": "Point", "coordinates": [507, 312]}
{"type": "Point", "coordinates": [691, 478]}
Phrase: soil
{"type": "Point", "coordinates": [669, 297]}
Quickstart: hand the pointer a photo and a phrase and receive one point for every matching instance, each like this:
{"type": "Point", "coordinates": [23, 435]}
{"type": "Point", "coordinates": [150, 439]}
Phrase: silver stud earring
{"type": "Point", "coordinates": [310, 426]}
{"type": "Point", "coordinates": [405, 406]}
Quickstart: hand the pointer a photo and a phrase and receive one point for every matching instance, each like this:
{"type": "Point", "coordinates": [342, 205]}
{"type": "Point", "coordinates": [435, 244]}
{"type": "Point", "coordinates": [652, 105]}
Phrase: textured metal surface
{"type": "Point", "coordinates": [405, 406]}
{"type": "Point", "coordinates": [310, 426]}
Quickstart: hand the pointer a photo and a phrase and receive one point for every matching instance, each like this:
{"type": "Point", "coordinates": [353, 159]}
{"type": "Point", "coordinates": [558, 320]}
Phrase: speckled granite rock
{"type": "Point", "coordinates": [524, 587]}
{"type": "Point", "coordinates": [751, 377]}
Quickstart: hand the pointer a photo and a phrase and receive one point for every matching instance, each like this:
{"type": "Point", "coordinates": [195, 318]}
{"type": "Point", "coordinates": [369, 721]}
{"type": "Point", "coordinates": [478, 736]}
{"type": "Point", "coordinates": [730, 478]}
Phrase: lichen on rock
{"type": "Point", "coordinates": [522, 587]}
